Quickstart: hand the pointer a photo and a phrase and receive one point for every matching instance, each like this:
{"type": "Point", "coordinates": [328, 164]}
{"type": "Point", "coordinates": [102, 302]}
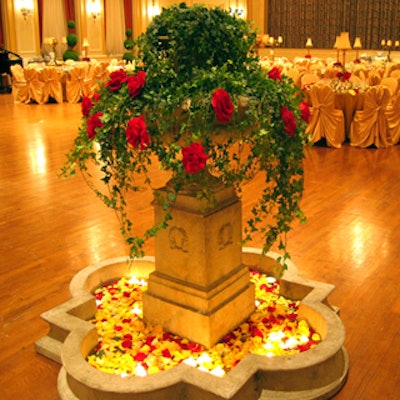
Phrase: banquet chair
{"type": "Point", "coordinates": [52, 87]}
{"type": "Point", "coordinates": [326, 121]}
{"type": "Point", "coordinates": [96, 76]}
{"type": "Point", "coordinates": [370, 125]}
{"type": "Point", "coordinates": [75, 88]}
{"type": "Point", "coordinates": [33, 90]}
{"type": "Point", "coordinates": [18, 83]}
{"type": "Point", "coordinates": [393, 118]}
{"type": "Point", "coordinates": [395, 74]}
{"type": "Point", "coordinates": [308, 80]}
{"type": "Point", "coordinates": [294, 74]}
{"type": "Point", "coordinates": [361, 72]}
{"type": "Point", "coordinates": [374, 78]}
{"type": "Point", "coordinates": [391, 83]}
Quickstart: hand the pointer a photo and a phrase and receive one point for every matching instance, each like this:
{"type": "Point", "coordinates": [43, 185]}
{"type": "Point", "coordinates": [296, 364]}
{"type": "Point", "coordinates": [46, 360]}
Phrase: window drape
{"type": "Point", "coordinates": [69, 11]}
{"type": "Point", "coordinates": [128, 14]}
{"type": "Point", "coordinates": [372, 20]}
{"type": "Point", "coordinates": [54, 23]}
{"type": "Point", "coordinates": [115, 27]}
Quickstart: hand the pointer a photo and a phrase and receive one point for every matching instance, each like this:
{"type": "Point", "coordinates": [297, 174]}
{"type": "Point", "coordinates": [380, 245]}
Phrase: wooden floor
{"type": "Point", "coordinates": [52, 228]}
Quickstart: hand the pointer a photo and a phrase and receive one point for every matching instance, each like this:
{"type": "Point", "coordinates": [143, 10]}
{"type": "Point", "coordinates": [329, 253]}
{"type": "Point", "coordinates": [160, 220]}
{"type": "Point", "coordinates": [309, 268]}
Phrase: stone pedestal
{"type": "Point", "coordinates": [200, 288]}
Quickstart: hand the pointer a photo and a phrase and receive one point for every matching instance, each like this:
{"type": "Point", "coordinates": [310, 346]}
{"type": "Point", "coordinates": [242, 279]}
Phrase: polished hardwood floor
{"type": "Point", "coordinates": [51, 228]}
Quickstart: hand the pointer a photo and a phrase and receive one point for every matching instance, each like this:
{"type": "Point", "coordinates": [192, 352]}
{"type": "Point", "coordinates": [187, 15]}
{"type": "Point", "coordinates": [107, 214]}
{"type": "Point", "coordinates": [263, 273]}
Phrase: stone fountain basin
{"type": "Point", "coordinates": [315, 374]}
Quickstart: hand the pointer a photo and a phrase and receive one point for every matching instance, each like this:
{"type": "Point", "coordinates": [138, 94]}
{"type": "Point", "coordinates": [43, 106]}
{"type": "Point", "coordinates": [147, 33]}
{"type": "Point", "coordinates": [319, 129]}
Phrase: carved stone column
{"type": "Point", "coordinates": [200, 288]}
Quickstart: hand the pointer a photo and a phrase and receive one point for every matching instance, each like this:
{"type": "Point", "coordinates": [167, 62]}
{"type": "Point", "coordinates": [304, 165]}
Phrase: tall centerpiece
{"type": "Point", "coordinates": [199, 104]}
{"type": "Point", "coordinates": [196, 104]}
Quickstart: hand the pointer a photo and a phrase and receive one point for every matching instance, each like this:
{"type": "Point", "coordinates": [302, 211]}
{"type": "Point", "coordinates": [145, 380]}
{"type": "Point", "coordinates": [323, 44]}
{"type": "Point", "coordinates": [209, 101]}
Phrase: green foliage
{"type": "Point", "coordinates": [129, 44]}
{"type": "Point", "coordinates": [72, 40]}
{"type": "Point", "coordinates": [128, 57]}
{"type": "Point", "coordinates": [71, 24]}
{"type": "Point", "coordinates": [70, 54]}
{"type": "Point", "coordinates": [188, 53]}
{"type": "Point", "coordinates": [128, 33]}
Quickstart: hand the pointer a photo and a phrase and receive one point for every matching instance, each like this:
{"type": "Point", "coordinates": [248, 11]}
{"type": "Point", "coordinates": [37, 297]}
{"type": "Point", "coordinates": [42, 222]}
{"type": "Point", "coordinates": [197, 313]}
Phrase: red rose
{"type": "Point", "coordinates": [135, 83]}
{"type": "Point", "coordinates": [275, 74]}
{"type": "Point", "coordinates": [94, 122]}
{"type": "Point", "coordinates": [86, 106]}
{"type": "Point", "coordinates": [194, 158]}
{"type": "Point", "coordinates": [136, 133]}
{"type": "Point", "coordinates": [288, 121]}
{"type": "Point", "coordinates": [305, 112]}
{"type": "Point", "coordinates": [96, 97]}
{"type": "Point", "coordinates": [308, 56]}
{"type": "Point", "coordinates": [117, 79]}
{"type": "Point", "coordinates": [222, 104]}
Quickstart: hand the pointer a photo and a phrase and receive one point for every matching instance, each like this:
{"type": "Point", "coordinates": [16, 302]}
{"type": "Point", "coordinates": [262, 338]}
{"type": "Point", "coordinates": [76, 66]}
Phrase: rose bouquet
{"type": "Point", "coordinates": [198, 104]}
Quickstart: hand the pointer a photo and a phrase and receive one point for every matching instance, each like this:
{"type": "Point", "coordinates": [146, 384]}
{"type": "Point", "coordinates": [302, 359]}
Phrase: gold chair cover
{"type": "Point", "coordinates": [75, 86]}
{"type": "Point", "coordinates": [18, 83]}
{"type": "Point", "coordinates": [370, 125]}
{"type": "Point", "coordinates": [391, 83]}
{"type": "Point", "coordinates": [326, 121]}
{"type": "Point", "coordinates": [33, 90]}
{"type": "Point", "coordinates": [97, 75]}
{"type": "Point", "coordinates": [393, 118]}
{"type": "Point", "coordinates": [52, 87]}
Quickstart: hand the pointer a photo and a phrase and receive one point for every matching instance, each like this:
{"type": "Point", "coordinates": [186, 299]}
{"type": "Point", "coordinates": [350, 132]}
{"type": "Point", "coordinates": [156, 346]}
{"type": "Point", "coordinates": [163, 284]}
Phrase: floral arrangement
{"type": "Point", "coordinates": [343, 83]}
{"type": "Point", "coordinates": [128, 346]}
{"type": "Point", "coordinates": [200, 106]}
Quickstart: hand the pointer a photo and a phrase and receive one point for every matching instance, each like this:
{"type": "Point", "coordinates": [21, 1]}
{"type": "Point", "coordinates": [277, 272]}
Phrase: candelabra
{"type": "Point", "coordinates": [309, 45]}
{"type": "Point", "coordinates": [357, 46]}
{"type": "Point", "coordinates": [343, 44]}
{"type": "Point", "coordinates": [272, 44]}
{"type": "Point", "coordinates": [388, 46]}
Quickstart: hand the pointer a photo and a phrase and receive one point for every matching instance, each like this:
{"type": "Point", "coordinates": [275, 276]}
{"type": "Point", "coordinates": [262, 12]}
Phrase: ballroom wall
{"type": "Point", "coordinates": [24, 34]}
{"type": "Point", "coordinates": [372, 20]}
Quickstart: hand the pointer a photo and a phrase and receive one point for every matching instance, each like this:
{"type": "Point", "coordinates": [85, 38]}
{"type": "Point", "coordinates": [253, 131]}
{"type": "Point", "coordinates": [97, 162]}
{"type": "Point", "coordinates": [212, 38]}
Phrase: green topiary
{"type": "Point", "coordinates": [72, 40]}
{"type": "Point", "coordinates": [70, 55]}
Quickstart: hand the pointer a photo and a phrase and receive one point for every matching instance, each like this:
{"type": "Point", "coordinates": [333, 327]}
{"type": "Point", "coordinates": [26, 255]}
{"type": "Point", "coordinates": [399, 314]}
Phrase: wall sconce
{"type": "Point", "coordinates": [237, 10]}
{"type": "Point", "coordinates": [153, 10]}
{"type": "Point", "coordinates": [93, 8]}
{"type": "Point", "coordinates": [24, 7]}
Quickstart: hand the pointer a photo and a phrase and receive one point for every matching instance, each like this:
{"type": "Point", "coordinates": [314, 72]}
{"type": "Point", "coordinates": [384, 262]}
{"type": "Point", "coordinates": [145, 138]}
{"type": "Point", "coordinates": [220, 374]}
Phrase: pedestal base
{"type": "Point", "coordinates": [318, 373]}
{"type": "Point", "coordinates": [212, 313]}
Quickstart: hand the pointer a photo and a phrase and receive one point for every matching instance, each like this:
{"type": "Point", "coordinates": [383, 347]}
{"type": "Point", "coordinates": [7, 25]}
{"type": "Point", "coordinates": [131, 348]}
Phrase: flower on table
{"type": "Point", "coordinates": [194, 158]}
{"type": "Point", "coordinates": [94, 122]}
{"type": "Point", "coordinates": [222, 104]}
{"type": "Point", "coordinates": [289, 121]}
{"type": "Point", "coordinates": [137, 134]}
{"type": "Point", "coordinates": [275, 74]}
{"type": "Point", "coordinates": [343, 75]}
